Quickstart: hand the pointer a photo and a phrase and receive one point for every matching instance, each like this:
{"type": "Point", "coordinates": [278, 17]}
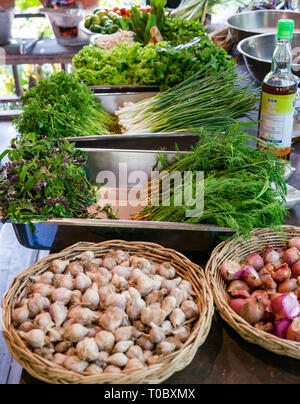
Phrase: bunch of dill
{"type": "Point", "coordinates": [244, 187]}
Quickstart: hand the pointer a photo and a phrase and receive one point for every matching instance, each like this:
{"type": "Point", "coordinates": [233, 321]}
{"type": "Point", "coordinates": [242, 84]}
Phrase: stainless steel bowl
{"type": "Point", "coordinates": [6, 20]}
{"type": "Point", "coordinates": [258, 52]}
{"type": "Point", "coordinates": [245, 25]}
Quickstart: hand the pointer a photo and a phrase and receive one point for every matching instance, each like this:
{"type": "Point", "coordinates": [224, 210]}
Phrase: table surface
{"type": "Point", "coordinates": [45, 51]}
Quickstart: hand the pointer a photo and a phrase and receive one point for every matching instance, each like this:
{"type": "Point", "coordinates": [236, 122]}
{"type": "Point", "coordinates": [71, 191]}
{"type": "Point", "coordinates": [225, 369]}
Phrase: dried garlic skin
{"type": "Point", "coordinates": [87, 350]}
{"type": "Point", "coordinates": [35, 338]}
{"type": "Point", "coordinates": [76, 332]}
{"type": "Point", "coordinates": [105, 341]}
{"type": "Point", "coordinates": [59, 266]}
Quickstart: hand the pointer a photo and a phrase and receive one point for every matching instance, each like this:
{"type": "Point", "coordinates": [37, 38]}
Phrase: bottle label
{"type": "Point", "coordinates": [277, 116]}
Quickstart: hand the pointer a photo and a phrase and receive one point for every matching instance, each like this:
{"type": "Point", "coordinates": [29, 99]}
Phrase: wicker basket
{"type": "Point", "coordinates": [51, 373]}
{"type": "Point", "coordinates": [238, 250]}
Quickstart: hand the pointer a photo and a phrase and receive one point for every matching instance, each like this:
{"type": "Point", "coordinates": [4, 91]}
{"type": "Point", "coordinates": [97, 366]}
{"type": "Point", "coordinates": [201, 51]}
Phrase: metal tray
{"type": "Point", "coordinates": [114, 97]}
{"type": "Point", "coordinates": [105, 153]}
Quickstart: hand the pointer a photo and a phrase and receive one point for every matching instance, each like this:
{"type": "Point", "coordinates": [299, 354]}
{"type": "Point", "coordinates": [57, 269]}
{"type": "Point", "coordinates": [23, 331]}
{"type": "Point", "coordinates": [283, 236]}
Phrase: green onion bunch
{"type": "Point", "coordinates": [212, 102]}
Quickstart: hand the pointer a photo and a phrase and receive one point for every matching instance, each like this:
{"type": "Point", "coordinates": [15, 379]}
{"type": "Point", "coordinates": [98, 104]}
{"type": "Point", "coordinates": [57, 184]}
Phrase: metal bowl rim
{"type": "Point", "coordinates": [256, 11]}
{"type": "Point", "coordinates": [241, 50]}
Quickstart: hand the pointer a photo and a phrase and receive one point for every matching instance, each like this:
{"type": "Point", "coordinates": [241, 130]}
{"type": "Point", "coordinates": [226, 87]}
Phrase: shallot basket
{"type": "Point", "coordinates": [50, 372]}
{"type": "Point", "coordinates": [238, 249]}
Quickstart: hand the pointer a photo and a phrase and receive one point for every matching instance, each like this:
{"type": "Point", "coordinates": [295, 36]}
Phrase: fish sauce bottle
{"type": "Point", "coordinates": [278, 98]}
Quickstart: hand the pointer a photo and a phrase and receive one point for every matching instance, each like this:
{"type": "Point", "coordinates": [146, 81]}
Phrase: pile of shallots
{"type": "Point", "coordinates": [265, 289]}
{"type": "Point", "coordinates": [106, 315]}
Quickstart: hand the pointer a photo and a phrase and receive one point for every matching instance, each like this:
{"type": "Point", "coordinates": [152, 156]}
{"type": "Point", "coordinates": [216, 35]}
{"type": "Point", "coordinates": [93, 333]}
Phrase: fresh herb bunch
{"type": "Point", "coordinates": [44, 179]}
{"type": "Point", "coordinates": [141, 22]}
{"type": "Point", "coordinates": [60, 106]}
{"type": "Point", "coordinates": [205, 100]}
{"type": "Point", "coordinates": [244, 187]}
{"type": "Point", "coordinates": [178, 31]}
{"type": "Point", "coordinates": [161, 65]}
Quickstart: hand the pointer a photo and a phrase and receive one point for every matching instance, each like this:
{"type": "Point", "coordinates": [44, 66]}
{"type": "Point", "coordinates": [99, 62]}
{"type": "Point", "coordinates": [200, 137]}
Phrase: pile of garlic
{"type": "Point", "coordinates": [106, 315]}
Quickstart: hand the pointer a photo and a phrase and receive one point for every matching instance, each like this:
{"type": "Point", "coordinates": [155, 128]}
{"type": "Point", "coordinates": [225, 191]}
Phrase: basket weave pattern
{"type": "Point", "coordinates": [49, 372]}
{"type": "Point", "coordinates": [238, 250]}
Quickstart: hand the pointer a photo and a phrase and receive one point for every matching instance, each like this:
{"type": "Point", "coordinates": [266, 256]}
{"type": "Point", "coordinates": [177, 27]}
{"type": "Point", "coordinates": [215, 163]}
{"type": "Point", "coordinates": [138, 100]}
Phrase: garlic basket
{"type": "Point", "coordinates": [74, 306]}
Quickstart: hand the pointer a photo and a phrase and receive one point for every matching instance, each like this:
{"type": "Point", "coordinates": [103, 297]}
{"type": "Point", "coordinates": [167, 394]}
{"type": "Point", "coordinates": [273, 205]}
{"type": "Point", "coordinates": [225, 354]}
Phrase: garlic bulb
{"type": "Point", "coordinates": [135, 352]}
{"type": "Point", "coordinates": [94, 370]}
{"type": "Point", "coordinates": [92, 266]}
{"type": "Point", "coordinates": [82, 282]}
{"type": "Point", "coordinates": [180, 295]}
{"type": "Point", "coordinates": [177, 317]}
{"type": "Point", "coordinates": [117, 300]}
{"type": "Point", "coordinates": [167, 326]}
{"type": "Point", "coordinates": [122, 346]}
{"type": "Point", "coordinates": [182, 333]}
{"type": "Point", "coordinates": [42, 289]}
{"type": "Point", "coordinates": [119, 282]}
{"type": "Point", "coordinates": [83, 316]}
{"type": "Point", "coordinates": [26, 326]}
{"type": "Point", "coordinates": [111, 318]}
{"type": "Point", "coordinates": [91, 297]}
{"type": "Point", "coordinates": [61, 295]}
{"type": "Point", "coordinates": [143, 264]}
{"type": "Point", "coordinates": [59, 313]}
{"type": "Point", "coordinates": [101, 361]}
{"type": "Point", "coordinates": [170, 284]}
{"type": "Point", "coordinates": [35, 338]}
{"type": "Point", "coordinates": [154, 315]}
{"type": "Point", "coordinates": [74, 269]}
{"type": "Point", "coordinates": [44, 322]}
{"type": "Point", "coordinates": [156, 296]}
{"type": "Point", "coordinates": [134, 308]}
{"type": "Point", "coordinates": [190, 309]}
{"type": "Point", "coordinates": [63, 346]}
{"type": "Point", "coordinates": [59, 359]}
{"type": "Point", "coordinates": [87, 350]}
{"type": "Point", "coordinates": [156, 334]}
{"type": "Point", "coordinates": [118, 360]}
{"type": "Point", "coordinates": [157, 281]}
{"type": "Point", "coordinates": [145, 343]}
{"type": "Point", "coordinates": [56, 334]}
{"type": "Point", "coordinates": [63, 281]}
{"type": "Point", "coordinates": [71, 352]}
{"type": "Point", "coordinates": [167, 270]}
{"type": "Point", "coordinates": [76, 333]}
{"type": "Point", "coordinates": [74, 364]}
{"type": "Point", "coordinates": [76, 297]}
{"type": "Point", "coordinates": [186, 286]}
{"type": "Point", "coordinates": [124, 272]}
{"type": "Point", "coordinates": [86, 256]}
{"type": "Point", "coordinates": [109, 263]}
{"type": "Point", "coordinates": [46, 278]}
{"type": "Point", "coordinates": [105, 341]}
{"type": "Point", "coordinates": [134, 292]}
{"type": "Point", "coordinates": [112, 369]}
{"type": "Point", "coordinates": [169, 304]}
{"type": "Point", "coordinates": [99, 278]}
{"type": "Point", "coordinates": [37, 304]}
{"type": "Point", "coordinates": [21, 315]}
{"type": "Point", "coordinates": [165, 348]}
{"type": "Point", "coordinates": [145, 285]}
{"type": "Point", "coordinates": [59, 266]}
{"type": "Point", "coordinates": [127, 333]}
{"type": "Point", "coordinates": [104, 291]}
{"type": "Point", "coordinates": [93, 331]}
{"type": "Point", "coordinates": [134, 364]}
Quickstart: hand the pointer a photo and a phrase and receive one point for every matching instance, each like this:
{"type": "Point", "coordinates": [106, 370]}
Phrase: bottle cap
{"type": "Point", "coordinates": [285, 29]}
